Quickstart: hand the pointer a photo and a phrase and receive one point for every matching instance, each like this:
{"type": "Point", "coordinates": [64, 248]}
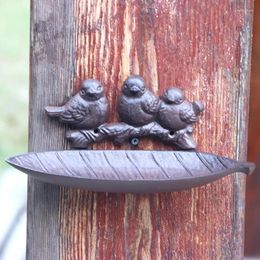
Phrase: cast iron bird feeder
{"type": "Point", "coordinates": [142, 114]}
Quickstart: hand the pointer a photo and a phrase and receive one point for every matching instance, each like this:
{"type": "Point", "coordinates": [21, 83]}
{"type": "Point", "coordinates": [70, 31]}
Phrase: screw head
{"type": "Point", "coordinates": [135, 141]}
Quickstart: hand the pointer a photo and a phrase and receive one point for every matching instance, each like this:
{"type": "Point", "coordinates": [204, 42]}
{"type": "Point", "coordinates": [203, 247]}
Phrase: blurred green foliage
{"type": "Point", "coordinates": [14, 77]}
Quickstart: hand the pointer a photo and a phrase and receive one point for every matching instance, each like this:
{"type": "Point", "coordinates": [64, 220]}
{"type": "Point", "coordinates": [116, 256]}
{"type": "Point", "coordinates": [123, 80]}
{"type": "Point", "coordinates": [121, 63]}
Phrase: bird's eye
{"type": "Point", "coordinates": [83, 92]}
{"type": "Point", "coordinates": [99, 87]}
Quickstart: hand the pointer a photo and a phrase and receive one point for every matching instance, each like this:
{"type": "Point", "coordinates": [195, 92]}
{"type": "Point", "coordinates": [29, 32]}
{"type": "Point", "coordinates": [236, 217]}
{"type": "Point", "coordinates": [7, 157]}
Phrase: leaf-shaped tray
{"type": "Point", "coordinates": [127, 171]}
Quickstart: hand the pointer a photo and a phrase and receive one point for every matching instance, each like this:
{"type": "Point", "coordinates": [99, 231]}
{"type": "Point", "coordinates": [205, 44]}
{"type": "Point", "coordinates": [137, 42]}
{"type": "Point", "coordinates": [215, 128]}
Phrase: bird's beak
{"type": "Point", "coordinates": [134, 89]}
{"type": "Point", "coordinates": [91, 94]}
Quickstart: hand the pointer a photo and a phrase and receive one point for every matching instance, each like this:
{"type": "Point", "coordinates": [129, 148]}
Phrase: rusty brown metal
{"type": "Point", "coordinates": [88, 109]}
{"type": "Point", "coordinates": [141, 113]}
{"type": "Point", "coordinates": [128, 171]}
{"type": "Point", "coordinates": [122, 132]}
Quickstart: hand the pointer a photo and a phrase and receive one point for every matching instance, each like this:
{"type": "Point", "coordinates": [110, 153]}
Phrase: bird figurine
{"type": "Point", "coordinates": [88, 109]}
{"type": "Point", "coordinates": [137, 106]}
{"type": "Point", "coordinates": [177, 114]}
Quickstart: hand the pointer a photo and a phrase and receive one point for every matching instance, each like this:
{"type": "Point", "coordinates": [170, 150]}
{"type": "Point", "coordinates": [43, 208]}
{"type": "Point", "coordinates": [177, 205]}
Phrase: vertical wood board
{"type": "Point", "coordinates": [252, 214]}
{"type": "Point", "coordinates": [201, 46]}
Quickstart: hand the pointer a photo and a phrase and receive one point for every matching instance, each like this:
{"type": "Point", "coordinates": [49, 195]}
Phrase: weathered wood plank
{"type": "Point", "coordinates": [252, 224]}
{"type": "Point", "coordinates": [202, 46]}
{"type": "Point", "coordinates": [51, 66]}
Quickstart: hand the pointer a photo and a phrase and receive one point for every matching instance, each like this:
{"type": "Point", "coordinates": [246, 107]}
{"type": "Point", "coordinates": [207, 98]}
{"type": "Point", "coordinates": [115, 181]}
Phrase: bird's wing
{"type": "Point", "coordinates": [75, 112]}
{"type": "Point", "coordinates": [150, 104]}
{"type": "Point", "coordinates": [188, 115]}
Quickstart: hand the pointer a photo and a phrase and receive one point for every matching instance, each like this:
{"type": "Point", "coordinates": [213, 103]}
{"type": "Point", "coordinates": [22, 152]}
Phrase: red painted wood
{"type": "Point", "coordinates": [252, 234]}
{"type": "Point", "coordinates": [202, 46]}
{"type": "Point", "coordinates": [196, 45]}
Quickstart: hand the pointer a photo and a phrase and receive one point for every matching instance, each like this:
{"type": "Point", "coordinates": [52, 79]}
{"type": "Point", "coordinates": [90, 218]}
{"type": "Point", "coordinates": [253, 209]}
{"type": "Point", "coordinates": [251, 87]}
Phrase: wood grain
{"type": "Point", "coordinates": [252, 225]}
{"type": "Point", "coordinates": [51, 77]}
{"type": "Point", "coordinates": [202, 46]}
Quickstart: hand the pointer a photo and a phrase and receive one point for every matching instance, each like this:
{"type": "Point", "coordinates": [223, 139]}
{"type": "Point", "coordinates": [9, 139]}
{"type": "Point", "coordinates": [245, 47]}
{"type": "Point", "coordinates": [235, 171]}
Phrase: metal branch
{"type": "Point", "coordinates": [122, 132]}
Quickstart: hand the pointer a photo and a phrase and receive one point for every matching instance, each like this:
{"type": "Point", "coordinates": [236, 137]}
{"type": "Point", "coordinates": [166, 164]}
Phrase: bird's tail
{"type": "Point", "coordinates": [198, 107]}
{"type": "Point", "coordinates": [53, 111]}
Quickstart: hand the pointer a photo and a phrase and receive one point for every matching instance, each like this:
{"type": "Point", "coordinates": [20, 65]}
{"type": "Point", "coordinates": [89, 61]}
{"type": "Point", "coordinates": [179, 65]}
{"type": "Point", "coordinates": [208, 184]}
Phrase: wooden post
{"type": "Point", "coordinates": [252, 223]}
{"type": "Point", "coordinates": [202, 46]}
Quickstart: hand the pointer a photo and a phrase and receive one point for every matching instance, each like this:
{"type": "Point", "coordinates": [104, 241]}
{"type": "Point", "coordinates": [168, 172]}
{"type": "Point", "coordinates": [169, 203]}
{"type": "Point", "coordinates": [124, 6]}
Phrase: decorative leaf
{"type": "Point", "coordinates": [128, 171]}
